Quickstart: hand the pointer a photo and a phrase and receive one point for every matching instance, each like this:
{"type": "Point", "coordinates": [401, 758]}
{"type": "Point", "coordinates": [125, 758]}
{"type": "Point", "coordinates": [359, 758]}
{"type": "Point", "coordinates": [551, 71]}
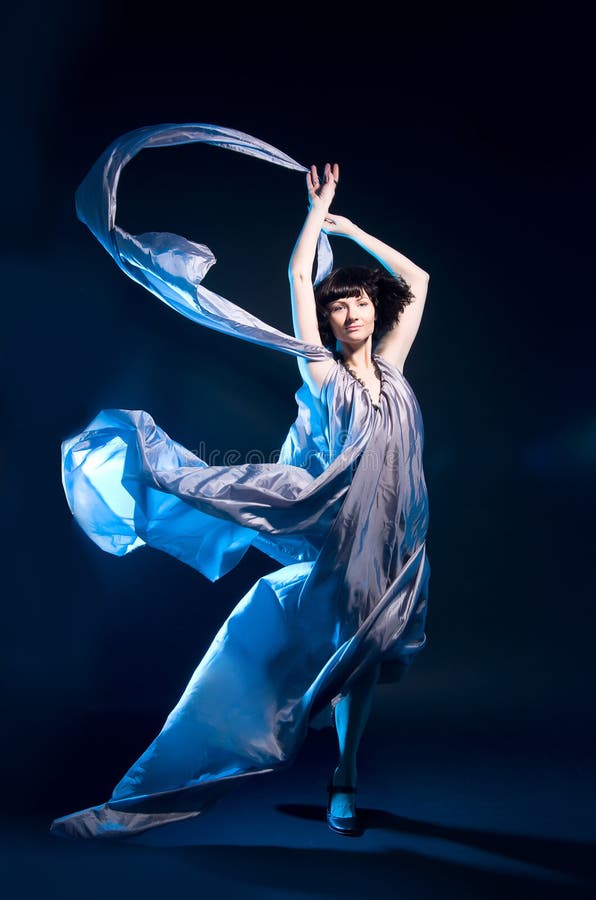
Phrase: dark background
{"type": "Point", "coordinates": [464, 138]}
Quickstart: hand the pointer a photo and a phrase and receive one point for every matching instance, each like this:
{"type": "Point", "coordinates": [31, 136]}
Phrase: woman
{"type": "Point", "coordinates": [348, 315]}
{"type": "Point", "coordinates": [344, 510]}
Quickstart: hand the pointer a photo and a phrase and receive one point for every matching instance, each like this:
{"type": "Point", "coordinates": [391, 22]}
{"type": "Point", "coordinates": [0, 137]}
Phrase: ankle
{"type": "Point", "coordinates": [345, 773]}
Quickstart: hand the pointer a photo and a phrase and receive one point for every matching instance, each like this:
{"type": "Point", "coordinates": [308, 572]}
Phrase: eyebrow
{"type": "Point", "coordinates": [365, 299]}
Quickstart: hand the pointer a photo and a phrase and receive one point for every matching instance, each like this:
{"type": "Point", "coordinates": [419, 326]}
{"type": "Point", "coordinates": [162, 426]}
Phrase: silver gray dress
{"type": "Point", "coordinates": [344, 511]}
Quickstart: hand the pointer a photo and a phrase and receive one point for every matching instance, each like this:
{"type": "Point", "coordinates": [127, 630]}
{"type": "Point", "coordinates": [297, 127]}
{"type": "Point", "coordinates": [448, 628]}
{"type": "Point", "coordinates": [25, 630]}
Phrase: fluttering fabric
{"type": "Point", "coordinates": [344, 510]}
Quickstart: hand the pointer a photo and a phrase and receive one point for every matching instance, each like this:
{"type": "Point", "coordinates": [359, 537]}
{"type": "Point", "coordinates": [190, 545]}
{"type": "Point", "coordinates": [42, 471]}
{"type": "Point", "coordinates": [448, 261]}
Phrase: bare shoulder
{"type": "Point", "coordinates": [314, 374]}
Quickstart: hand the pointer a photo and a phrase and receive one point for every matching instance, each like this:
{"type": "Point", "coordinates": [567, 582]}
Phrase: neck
{"type": "Point", "coordinates": [359, 358]}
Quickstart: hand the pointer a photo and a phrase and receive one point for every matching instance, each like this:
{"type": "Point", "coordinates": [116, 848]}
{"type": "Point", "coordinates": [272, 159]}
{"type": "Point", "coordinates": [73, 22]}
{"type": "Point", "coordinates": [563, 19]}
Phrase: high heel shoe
{"type": "Point", "coordinates": [348, 825]}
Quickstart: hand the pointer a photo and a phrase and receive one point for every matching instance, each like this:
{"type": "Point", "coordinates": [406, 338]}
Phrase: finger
{"type": "Point", "coordinates": [312, 180]}
{"type": "Point", "coordinates": [332, 174]}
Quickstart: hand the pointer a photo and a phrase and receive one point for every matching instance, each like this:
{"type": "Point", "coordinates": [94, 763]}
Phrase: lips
{"type": "Point", "coordinates": [353, 327]}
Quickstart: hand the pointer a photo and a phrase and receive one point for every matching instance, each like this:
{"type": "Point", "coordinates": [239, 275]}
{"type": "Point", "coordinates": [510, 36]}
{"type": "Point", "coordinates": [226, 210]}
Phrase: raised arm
{"type": "Point", "coordinates": [396, 344]}
{"type": "Point", "coordinates": [304, 314]}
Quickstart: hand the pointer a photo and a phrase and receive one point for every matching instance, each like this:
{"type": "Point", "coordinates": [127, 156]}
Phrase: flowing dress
{"type": "Point", "coordinates": [344, 511]}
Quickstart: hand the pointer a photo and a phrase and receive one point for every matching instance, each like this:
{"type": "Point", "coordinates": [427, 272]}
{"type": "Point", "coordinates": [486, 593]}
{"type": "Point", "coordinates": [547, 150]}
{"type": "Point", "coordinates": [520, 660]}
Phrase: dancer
{"type": "Point", "coordinates": [351, 308]}
{"type": "Point", "coordinates": [345, 510]}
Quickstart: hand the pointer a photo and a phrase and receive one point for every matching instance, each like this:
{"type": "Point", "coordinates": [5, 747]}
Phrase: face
{"type": "Point", "coordinates": [352, 319]}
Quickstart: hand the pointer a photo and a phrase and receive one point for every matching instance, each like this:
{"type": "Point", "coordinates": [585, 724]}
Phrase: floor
{"type": "Point", "coordinates": [464, 814]}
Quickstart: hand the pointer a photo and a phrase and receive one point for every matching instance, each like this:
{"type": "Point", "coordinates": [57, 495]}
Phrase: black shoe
{"type": "Point", "coordinates": [348, 825]}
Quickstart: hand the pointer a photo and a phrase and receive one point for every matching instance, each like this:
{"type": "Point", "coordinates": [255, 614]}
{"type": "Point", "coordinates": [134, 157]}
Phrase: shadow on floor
{"type": "Point", "coordinates": [571, 861]}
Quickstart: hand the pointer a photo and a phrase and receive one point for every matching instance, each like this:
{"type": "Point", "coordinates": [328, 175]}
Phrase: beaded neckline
{"type": "Point", "coordinates": [378, 373]}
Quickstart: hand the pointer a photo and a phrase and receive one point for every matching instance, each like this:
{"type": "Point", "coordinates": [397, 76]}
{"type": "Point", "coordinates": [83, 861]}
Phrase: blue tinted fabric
{"type": "Point", "coordinates": [344, 511]}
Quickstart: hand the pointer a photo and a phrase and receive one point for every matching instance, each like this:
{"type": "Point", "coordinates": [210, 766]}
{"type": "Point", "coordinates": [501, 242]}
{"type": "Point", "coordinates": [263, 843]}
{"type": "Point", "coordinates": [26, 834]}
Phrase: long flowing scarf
{"type": "Point", "coordinates": [170, 266]}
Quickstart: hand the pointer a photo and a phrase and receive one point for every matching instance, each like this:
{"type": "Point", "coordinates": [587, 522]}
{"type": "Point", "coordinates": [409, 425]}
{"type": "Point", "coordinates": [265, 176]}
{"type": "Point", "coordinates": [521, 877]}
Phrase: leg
{"type": "Point", "coordinates": [351, 714]}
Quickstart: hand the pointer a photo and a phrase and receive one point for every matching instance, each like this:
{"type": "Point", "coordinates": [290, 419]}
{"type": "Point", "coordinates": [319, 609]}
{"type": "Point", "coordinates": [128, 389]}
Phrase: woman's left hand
{"type": "Point", "coordinates": [321, 195]}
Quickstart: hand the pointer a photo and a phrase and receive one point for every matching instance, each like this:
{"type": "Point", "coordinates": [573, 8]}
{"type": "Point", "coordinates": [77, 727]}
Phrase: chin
{"type": "Point", "coordinates": [356, 340]}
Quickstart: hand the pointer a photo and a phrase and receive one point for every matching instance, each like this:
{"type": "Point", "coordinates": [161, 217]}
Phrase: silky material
{"type": "Point", "coordinates": [344, 510]}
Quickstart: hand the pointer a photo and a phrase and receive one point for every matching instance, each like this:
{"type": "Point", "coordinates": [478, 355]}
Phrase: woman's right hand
{"type": "Point", "coordinates": [338, 225]}
{"type": "Point", "coordinates": [321, 195]}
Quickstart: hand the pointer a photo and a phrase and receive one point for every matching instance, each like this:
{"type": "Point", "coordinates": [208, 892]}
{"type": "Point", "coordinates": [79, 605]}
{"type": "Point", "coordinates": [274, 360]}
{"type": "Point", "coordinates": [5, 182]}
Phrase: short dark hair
{"type": "Point", "coordinates": [390, 295]}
